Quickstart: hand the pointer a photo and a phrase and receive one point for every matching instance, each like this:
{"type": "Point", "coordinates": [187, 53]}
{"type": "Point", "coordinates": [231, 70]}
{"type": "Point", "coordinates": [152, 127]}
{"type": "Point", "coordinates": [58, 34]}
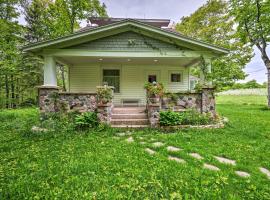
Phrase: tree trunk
{"type": "Point", "coordinates": [13, 104]}
{"type": "Point", "coordinates": [7, 91]}
{"type": "Point", "coordinates": [268, 75]}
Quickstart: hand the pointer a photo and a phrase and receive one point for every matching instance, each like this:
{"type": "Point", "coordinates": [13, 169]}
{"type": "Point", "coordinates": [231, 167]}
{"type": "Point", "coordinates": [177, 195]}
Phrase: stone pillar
{"type": "Point", "coordinates": [48, 98]}
{"type": "Point", "coordinates": [208, 100]}
{"type": "Point", "coordinates": [104, 112]}
{"type": "Point", "coordinates": [50, 78]}
{"type": "Point", "coordinates": [153, 114]}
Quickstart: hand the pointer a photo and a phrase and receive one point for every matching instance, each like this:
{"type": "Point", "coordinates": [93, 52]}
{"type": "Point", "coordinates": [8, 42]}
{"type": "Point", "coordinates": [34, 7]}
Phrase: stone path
{"type": "Point", "coordinates": [222, 160]}
{"type": "Point", "coordinates": [173, 149]}
{"type": "Point", "coordinates": [150, 151]}
{"type": "Point", "coordinates": [196, 155]}
{"type": "Point", "coordinates": [210, 167]}
{"type": "Point", "coordinates": [265, 171]}
{"type": "Point", "coordinates": [242, 174]}
{"type": "Point", "coordinates": [179, 160]}
{"type": "Point", "coordinates": [225, 160]}
{"type": "Point", "coordinates": [158, 144]}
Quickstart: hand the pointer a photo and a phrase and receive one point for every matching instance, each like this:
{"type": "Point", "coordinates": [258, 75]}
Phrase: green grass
{"type": "Point", "coordinates": [97, 165]}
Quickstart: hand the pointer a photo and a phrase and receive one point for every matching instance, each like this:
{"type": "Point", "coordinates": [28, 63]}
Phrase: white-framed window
{"type": "Point", "coordinates": [175, 77]}
{"type": "Point", "coordinates": [112, 78]}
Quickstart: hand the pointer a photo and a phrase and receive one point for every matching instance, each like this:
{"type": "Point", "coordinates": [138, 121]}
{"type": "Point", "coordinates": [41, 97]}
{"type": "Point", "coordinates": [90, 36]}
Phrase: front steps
{"type": "Point", "coordinates": [129, 117]}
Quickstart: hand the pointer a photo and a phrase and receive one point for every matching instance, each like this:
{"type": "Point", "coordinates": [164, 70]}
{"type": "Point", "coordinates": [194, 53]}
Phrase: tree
{"type": "Point", "coordinates": [48, 19]}
{"type": "Point", "coordinates": [10, 39]}
{"type": "Point", "coordinates": [212, 23]}
{"type": "Point", "coordinates": [253, 19]}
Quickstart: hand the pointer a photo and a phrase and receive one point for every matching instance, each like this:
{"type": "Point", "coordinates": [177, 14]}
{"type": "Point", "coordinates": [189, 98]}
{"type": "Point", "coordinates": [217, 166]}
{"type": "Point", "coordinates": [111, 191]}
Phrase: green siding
{"type": "Point", "coordinates": [128, 41]}
{"type": "Point", "coordinates": [85, 78]}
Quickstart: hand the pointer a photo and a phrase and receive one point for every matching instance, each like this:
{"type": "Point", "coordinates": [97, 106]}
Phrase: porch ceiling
{"type": "Point", "coordinates": [81, 60]}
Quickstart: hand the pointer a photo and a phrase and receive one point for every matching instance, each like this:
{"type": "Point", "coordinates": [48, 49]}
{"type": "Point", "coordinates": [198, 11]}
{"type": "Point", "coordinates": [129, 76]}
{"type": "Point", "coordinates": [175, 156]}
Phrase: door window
{"type": "Point", "coordinates": [112, 78]}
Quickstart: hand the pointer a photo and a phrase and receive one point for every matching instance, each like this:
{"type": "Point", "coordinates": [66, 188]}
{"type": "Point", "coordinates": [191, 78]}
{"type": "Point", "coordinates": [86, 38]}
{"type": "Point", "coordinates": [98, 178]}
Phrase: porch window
{"type": "Point", "coordinates": [112, 78]}
{"type": "Point", "coordinates": [175, 77]}
{"type": "Point", "coordinates": [152, 78]}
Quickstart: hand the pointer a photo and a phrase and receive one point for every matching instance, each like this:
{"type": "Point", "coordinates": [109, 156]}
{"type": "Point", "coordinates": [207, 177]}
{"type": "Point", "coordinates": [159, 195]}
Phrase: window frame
{"type": "Point", "coordinates": [118, 69]}
{"type": "Point", "coordinates": [176, 72]}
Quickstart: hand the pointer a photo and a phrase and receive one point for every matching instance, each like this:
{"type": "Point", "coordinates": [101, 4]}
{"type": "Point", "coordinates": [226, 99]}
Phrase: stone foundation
{"type": "Point", "coordinates": [203, 102]}
{"type": "Point", "coordinates": [82, 102]}
{"type": "Point", "coordinates": [52, 100]}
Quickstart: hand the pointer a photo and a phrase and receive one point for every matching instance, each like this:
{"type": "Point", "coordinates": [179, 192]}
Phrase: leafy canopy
{"type": "Point", "coordinates": [213, 24]}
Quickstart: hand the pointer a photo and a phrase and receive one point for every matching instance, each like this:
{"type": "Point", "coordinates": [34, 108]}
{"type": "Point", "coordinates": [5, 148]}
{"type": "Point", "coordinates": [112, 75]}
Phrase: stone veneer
{"type": "Point", "coordinates": [203, 102]}
{"type": "Point", "coordinates": [52, 100]}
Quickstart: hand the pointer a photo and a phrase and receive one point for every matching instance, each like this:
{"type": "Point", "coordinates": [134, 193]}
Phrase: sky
{"type": "Point", "coordinates": [174, 10]}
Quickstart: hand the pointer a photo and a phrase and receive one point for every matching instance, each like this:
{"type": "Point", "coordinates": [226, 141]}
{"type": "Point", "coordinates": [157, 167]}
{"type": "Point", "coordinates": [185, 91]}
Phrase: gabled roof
{"type": "Point", "coordinates": [101, 21]}
{"type": "Point", "coordinates": [122, 26]}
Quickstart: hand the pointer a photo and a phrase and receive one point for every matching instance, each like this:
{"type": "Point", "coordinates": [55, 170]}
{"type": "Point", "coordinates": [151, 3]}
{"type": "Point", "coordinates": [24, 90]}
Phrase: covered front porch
{"type": "Point", "coordinates": [126, 72]}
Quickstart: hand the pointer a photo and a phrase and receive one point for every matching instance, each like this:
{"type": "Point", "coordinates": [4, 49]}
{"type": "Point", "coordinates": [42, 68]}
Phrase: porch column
{"type": "Point", "coordinates": [208, 70]}
{"type": "Point", "coordinates": [49, 71]}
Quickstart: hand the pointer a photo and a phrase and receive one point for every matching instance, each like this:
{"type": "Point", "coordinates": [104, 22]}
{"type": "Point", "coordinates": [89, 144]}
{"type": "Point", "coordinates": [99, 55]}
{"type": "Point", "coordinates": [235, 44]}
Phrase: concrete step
{"type": "Point", "coordinates": [129, 116]}
{"type": "Point", "coordinates": [130, 126]}
{"type": "Point", "coordinates": [129, 121]}
{"type": "Point", "coordinates": [128, 110]}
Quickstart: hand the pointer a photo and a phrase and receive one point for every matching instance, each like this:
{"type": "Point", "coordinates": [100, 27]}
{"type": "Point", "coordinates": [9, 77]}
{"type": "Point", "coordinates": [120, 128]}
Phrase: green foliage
{"type": "Point", "coordinates": [154, 89]}
{"type": "Point", "coordinates": [68, 165]}
{"type": "Point", "coordinates": [104, 94]}
{"type": "Point", "coordinates": [250, 84]}
{"type": "Point", "coordinates": [213, 24]}
{"type": "Point", "coordinates": [170, 118]}
{"type": "Point", "coordinates": [86, 120]}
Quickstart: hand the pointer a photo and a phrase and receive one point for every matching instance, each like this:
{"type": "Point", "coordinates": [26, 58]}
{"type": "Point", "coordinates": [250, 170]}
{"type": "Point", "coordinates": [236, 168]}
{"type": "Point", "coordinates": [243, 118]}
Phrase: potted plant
{"type": "Point", "coordinates": [104, 94]}
{"type": "Point", "coordinates": [154, 91]}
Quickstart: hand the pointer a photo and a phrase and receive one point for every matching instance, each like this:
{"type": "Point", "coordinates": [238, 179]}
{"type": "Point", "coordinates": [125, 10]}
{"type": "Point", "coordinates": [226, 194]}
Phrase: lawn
{"type": "Point", "coordinates": [102, 165]}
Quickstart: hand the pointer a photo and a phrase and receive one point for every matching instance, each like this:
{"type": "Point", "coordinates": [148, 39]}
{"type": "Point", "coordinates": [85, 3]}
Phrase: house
{"type": "Point", "coordinates": [126, 54]}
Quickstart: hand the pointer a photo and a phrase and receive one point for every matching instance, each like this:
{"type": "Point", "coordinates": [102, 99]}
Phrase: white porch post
{"type": "Point", "coordinates": [49, 71]}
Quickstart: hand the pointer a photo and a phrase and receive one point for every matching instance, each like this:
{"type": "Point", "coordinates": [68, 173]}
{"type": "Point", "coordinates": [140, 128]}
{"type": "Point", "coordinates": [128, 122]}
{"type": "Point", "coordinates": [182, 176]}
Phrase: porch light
{"type": "Point", "coordinates": [155, 60]}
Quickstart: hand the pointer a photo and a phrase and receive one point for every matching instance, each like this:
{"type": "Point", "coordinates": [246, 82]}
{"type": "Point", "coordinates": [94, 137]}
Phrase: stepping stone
{"type": "Point", "coordinates": [242, 174]}
{"type": "Point", "coordinates": [142, 142]}
{"type": "Point", "coordinates": [158, 144]}
{"type": "Point", "coordinates": [130, 139]}
{"type": "Point", "coordinates": [265, 171]}
{"type": "Point", "coordinates": [150, 151]}
{"type": "Point", "coordinates": [211, 167]}
{"type": "Point", "coordinates": [121, 134]}
{"type": "Point", "coordinates": [196, 155]}
{"type": "Point", "coordinates": [173, 149]}
{"type": "Point", "coordinates": [225, 160]}
{"type": "Point", "coordinates": [179, 160]}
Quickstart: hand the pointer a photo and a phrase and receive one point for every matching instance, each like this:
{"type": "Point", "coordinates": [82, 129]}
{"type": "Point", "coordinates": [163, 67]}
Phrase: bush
{"type": "Point", "coordinates": [170, 118]}
{"type": "Point", "coordinates": [29, 102]}
{"type": "Point", "coordinates": [86, 120]}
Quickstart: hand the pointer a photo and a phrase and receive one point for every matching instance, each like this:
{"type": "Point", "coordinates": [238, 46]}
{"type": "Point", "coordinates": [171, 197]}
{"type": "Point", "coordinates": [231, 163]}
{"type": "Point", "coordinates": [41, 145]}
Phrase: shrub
{"type": "Point", "coordinates": [170, 118]}
{"type": "Point", "coordinates": [86, 120]}
{"type": "Point", "coordinates": [191, 117]}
